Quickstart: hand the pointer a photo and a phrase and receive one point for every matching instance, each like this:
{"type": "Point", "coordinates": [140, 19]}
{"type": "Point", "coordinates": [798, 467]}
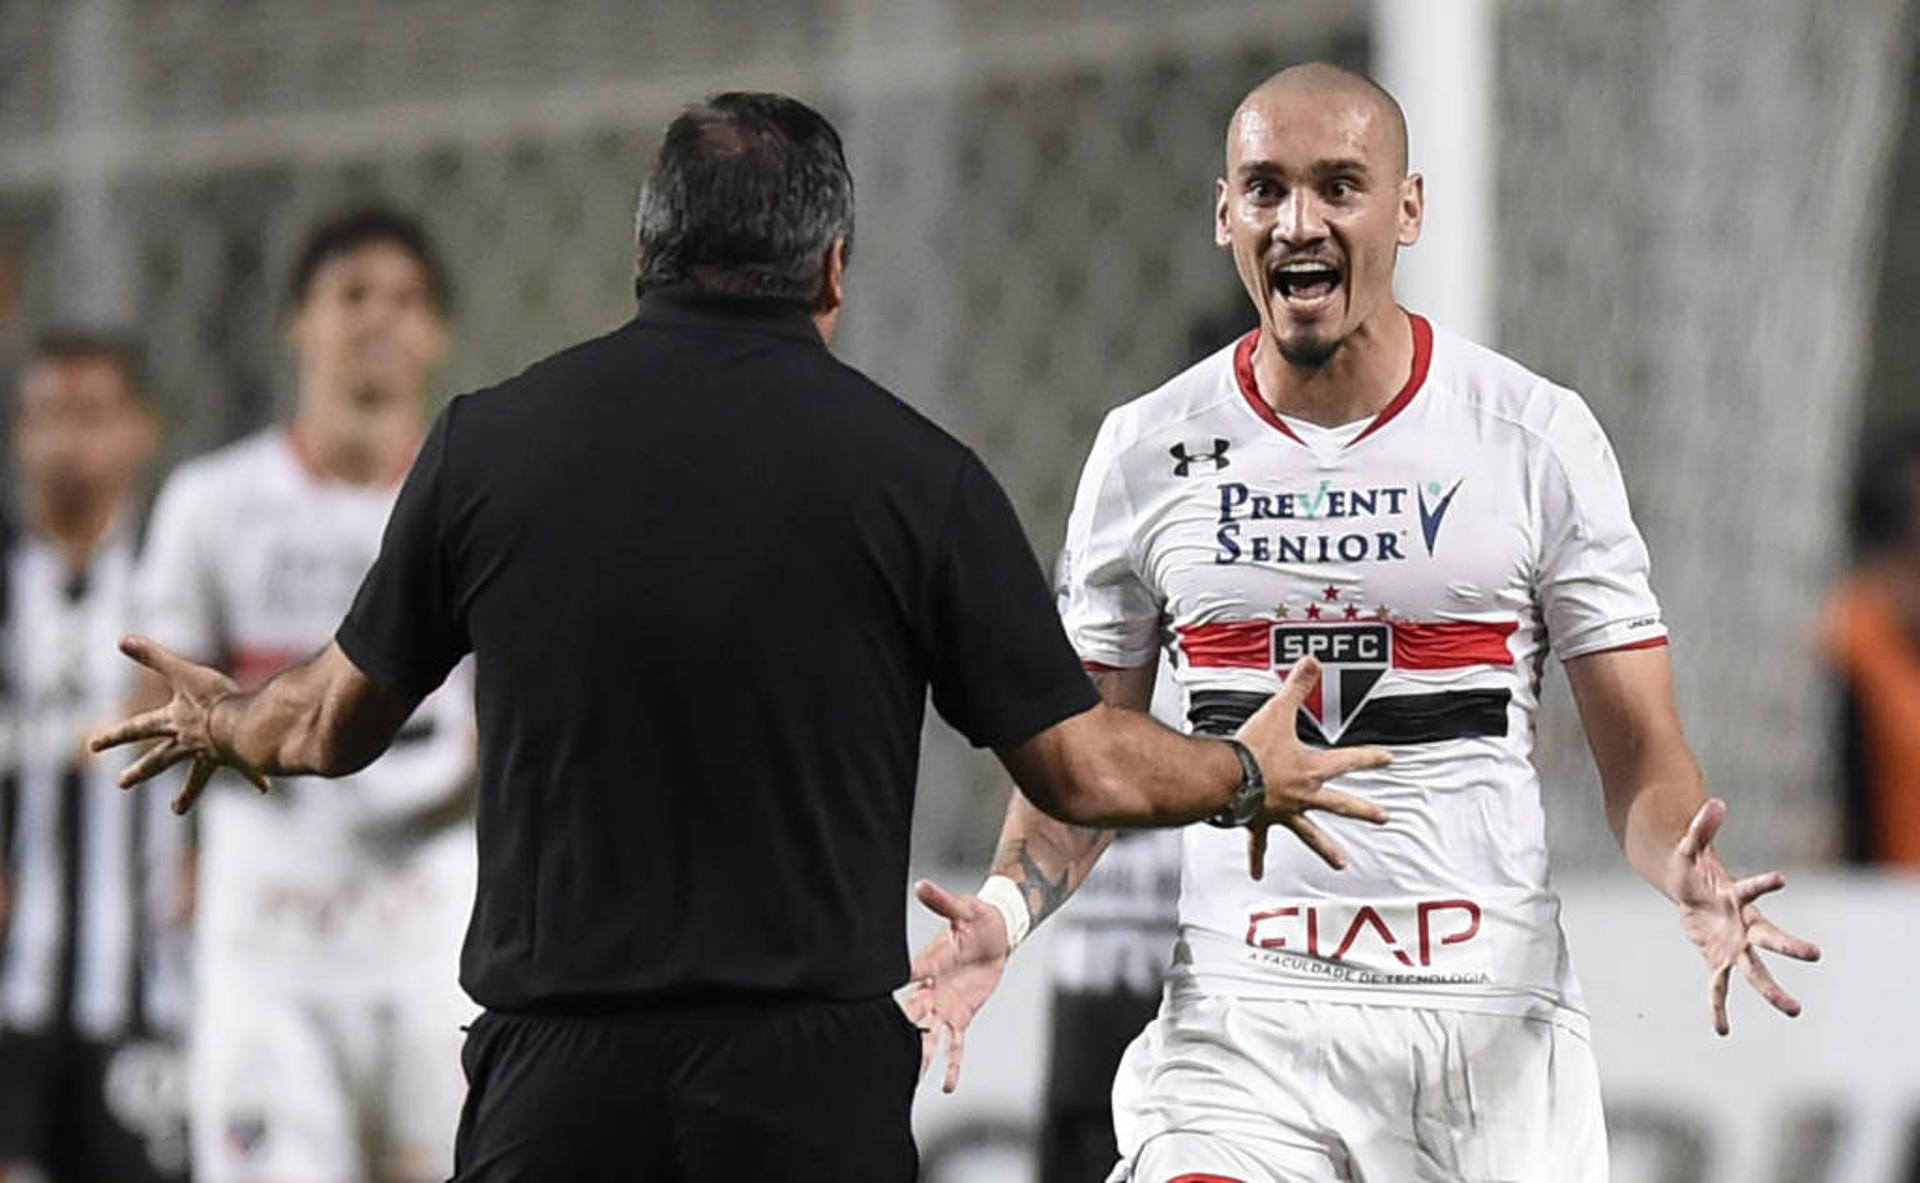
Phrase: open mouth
{"type": "Point", "coordinates": [1306, 285]}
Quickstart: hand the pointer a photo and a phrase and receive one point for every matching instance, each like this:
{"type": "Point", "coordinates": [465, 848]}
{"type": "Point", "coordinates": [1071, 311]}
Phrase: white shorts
{"type": "Point", "coordinates": [315, 1089]}
{"type": "Point", "coordinates": [1223, 1090]}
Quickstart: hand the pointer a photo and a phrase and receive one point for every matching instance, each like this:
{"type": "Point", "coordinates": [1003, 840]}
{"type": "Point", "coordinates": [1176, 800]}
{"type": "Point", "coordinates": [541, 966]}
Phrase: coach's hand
{"type": "Point", "coordinates": [1297, 775]}
{"type": "Point", "coordinates": [184, 726]}
{"type": "Point", "coordinates": [1717, 911]}
{"type": "Point", "coordinates": [955, 974]}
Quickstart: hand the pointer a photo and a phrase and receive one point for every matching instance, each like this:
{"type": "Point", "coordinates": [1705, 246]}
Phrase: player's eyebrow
{"type": "Point", "coordinates": [1349, 165]}
{"type": "Point", "coordinates": [1345, 164]}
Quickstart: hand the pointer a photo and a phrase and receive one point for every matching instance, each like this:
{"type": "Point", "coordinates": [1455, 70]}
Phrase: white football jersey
{"type": "Point", "coordinates": [251, 562]}
{"type": "Point", "coordinates": [1430, 559]}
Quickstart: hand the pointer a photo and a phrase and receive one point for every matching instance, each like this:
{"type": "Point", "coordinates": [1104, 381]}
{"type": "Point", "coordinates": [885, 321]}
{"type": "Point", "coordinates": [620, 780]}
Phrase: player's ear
{"type": "Point", "coordinates": [439, 343]}
{"type": "Point", "coordinates": [1222, 235]}
{"type": "Point", "coordinates": [146, 434]}
{"type": "Point", "coordinates": [290, 326]}
{"type": "Point", "coordinates": [1413, 208]}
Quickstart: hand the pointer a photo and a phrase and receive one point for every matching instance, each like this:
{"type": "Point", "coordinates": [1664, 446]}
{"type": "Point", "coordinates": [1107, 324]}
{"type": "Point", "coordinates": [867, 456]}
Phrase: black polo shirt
{"type": "Point", "coordinates": [708, 573]}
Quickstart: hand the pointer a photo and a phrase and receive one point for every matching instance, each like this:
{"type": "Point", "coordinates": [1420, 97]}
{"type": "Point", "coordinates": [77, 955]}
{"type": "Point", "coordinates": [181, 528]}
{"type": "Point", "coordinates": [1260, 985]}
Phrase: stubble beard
{"type": "Point", "coordinates": [1312, 353]}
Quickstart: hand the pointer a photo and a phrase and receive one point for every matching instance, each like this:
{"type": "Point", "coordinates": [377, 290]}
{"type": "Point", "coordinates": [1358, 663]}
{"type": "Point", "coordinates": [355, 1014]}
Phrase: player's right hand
{"type": "Point", "coordinates": [1297, 775]}
{"type": "Point", "coordinates": [955, 974]}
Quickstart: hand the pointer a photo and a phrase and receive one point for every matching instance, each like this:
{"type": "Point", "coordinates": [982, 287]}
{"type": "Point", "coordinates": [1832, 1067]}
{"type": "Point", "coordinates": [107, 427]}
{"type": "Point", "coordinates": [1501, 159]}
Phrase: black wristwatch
{"type": "Point", "coordinates": [1250, 798]}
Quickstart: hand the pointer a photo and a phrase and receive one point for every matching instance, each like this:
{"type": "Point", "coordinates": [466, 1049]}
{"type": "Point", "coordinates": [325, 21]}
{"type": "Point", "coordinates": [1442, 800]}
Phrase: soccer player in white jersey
{"type": "Point", "coordinates": [326, 1015]}
{"type": "Point", "coordinates": [1430, 521]}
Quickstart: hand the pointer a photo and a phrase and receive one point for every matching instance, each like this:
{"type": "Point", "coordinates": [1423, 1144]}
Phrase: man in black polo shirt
{"type": "Point", "coordinates": [709, 574]}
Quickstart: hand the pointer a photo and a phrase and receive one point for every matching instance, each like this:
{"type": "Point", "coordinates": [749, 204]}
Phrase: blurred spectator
{"type": "Point", "coordinates": [326, 1014]}
{"type": "Point", "coordinates": [1871, 634]}
{"type": "Point", "coordinates": [88, 1080]}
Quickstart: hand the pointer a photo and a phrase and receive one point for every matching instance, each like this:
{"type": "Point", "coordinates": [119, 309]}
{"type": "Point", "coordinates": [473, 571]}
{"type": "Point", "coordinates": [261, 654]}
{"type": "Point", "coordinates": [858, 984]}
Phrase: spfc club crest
{"type": "Point", "coordinates": [1352, 655]}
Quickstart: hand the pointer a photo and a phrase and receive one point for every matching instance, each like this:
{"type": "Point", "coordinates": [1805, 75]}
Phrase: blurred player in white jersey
{"type": "Point", "coordinates": [1403, 525]}
{"type": "Point", "coordinates": [326, 1016]}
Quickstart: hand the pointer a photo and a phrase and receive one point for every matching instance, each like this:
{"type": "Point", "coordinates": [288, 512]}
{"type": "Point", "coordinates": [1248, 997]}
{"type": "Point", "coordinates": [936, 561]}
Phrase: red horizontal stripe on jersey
{"type": "Point", "coordinates": [1450, 644]}
{"type": "Point", "coordinates": [1228, 644]}
{"type": "Point", "coordinates": [1417, 645]}
{"type": "Point", "coordinates": [251, 667]}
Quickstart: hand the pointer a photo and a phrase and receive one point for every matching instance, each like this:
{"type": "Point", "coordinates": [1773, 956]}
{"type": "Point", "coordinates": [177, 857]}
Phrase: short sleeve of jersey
{"type": "Point", "coordinates": [1112, 616]}
{"type": "Point", "coordinates": [403, 630]}
{"type": "Point", "coordinates": [1002, 671]}
{"type": "Point", "coordinates": [1594, 583]}
{"type": "Point", "coordinates": [175, 596]}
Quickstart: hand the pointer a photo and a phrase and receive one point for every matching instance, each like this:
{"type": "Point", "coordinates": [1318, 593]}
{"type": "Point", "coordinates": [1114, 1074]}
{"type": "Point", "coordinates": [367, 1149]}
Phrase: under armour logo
{"type": "Point", "coordinates": [1183, 460]}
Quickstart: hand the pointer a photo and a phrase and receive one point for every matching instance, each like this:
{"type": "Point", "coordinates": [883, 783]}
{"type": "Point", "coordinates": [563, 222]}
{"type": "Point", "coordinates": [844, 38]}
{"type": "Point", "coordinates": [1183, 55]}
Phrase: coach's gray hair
{"type": "Point", "coordinates": [748, 194]}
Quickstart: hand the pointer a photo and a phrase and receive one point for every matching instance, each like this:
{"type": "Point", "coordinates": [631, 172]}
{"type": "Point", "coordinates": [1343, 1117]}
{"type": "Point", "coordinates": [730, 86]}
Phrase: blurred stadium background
{"type": "Point", "coordinates": [1693, 213]}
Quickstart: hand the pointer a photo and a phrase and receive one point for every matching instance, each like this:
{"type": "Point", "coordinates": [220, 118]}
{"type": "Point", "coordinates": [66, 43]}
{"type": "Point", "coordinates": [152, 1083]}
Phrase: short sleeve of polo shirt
{"type": "Point", "coordinates": [403, 630]}
{"type": "Point", "coordinates": [1002, 670]}
{"type": "Point", "coordinates": [1595, 590]}
{"type": "Point", "coordinates": [1112, 616]}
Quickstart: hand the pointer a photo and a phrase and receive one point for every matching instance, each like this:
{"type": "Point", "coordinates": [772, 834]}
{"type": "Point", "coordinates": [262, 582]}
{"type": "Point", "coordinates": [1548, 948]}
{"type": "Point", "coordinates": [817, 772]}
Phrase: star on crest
{"type": "Point", "coordinates": [1331, 593]}
{"type": "Point", "coordinates": [1353, 612]}
{"type": "Point", "coordinates": [1281, 612]}
{"type": "Point", "coordinates": [1313, 611]}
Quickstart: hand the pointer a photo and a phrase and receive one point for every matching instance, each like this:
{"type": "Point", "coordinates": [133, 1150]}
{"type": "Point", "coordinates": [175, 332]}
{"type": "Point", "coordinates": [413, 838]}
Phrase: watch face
{"type": "Point", "coordinates": [1248, 802]}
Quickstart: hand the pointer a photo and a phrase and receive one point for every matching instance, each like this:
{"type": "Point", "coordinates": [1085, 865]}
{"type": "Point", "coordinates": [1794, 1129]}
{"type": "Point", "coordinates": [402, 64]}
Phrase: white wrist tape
{"type": "Point", "coordinates": [1004, 894]}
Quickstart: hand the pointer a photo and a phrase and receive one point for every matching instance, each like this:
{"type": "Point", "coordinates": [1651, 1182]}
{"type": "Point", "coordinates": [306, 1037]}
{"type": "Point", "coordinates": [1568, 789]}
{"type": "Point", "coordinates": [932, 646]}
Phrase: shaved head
{"type": "Point", "coordinates": [1326, 81]}
{"type": "Point", "coordinates": [1315, 203]}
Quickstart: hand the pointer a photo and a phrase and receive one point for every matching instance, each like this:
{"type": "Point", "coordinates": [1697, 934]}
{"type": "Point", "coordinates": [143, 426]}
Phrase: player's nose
{"type": "Point", "coordinates": [1299, 218]}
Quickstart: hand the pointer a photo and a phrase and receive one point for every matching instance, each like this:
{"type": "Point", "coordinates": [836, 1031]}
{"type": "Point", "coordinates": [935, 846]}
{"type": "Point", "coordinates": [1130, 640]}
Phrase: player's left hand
{"type": "Point", "coordinates": [184, 726]}
{"type": "Point", "coordinates": [1718, 913]}
{"type": "Point", "coordinates": [955, 974]}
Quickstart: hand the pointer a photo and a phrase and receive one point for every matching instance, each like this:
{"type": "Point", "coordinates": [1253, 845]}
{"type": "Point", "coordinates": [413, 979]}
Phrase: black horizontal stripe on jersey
{"type": "Point", "coordinates": [1395, 719]}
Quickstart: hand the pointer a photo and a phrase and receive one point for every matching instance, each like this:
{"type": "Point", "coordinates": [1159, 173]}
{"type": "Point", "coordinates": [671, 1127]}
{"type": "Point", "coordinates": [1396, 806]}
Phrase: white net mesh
{"type": "Point", "coordinates": [1690, 195]}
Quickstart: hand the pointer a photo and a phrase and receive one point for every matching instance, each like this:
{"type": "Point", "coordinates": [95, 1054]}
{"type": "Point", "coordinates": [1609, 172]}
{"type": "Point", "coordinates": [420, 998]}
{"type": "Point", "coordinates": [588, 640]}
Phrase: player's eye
{"type": "Point", "coordinates": [1261, 189]}
{"type": "Point", "coordinates": [1340, 189]}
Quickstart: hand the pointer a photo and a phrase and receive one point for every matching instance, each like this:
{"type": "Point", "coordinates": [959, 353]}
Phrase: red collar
{"type": "Point", "coordinates": [1422, 358]}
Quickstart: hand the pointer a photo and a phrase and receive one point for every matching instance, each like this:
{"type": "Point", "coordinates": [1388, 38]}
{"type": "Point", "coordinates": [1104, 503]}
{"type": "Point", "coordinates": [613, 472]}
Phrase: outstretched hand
{"type": "Point", "coordinates": [955, 974]}
{"type": "Point", "coordinates": [1297, 775]}
{"type": "Point", "coordinates": [1718, 914]}
{"type": "Point", "coordinates": [184, 726]}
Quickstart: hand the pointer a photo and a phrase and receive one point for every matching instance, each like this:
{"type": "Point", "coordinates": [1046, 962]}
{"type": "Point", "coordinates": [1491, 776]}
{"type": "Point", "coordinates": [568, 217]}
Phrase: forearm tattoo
{"type": "Point", "coordinates": [1043, 894]}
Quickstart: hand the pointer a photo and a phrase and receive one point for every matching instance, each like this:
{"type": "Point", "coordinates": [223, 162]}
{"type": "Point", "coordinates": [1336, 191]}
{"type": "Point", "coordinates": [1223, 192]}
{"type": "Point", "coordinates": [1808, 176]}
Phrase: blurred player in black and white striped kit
{"type": "Point", "coordinates": [89, 994]}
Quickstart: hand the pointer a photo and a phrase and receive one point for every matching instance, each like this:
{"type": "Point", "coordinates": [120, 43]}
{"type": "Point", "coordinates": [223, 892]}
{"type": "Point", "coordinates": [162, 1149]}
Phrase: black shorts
{"type": "Point", "coordinates": [1090, 1033]}
{"type": "Point", "coordinates": [81, 1110]}
{"type": "Point", "coordinates": [795, 1091]}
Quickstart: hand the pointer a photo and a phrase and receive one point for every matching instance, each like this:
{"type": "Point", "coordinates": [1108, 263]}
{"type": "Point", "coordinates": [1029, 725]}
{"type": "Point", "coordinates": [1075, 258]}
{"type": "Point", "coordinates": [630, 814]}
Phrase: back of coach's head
{"type": "Point", "coordinates": [749, 195]}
